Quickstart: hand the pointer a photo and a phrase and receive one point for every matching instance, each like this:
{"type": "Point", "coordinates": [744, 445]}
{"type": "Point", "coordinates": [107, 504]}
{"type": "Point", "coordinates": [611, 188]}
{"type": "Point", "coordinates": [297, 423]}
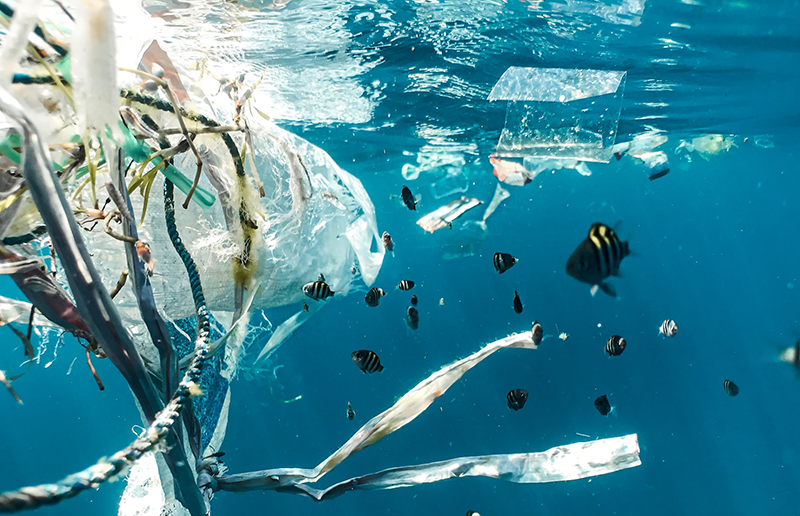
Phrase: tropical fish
{"type": "Point", "coordinates": [615, 345]}
{"type": "Point", "coordinates": [367, 361]}
{"type": "Point", "coordinates": [472, 513]}
{"type": "Point", "coordinates": [408, 198]}
{"type": "Point", "coordinates": [373, 297]}
{"type": "Point", "coordinates": [517, 303]}
{"type": "Point", "coordinates": [143, 250]}
{"type": "Point", "coordinates": [350, 412]}
{"type": "Point", "coordinates": [537, 332]}
{"type": "Point", "coordinates": [598, 257]}
{"type": "Point", "coordinates": [669, 328]}
{"type": "Point", "coordinates": [517, 398]}
{"type": "Point", "coordinates": [731, 389]}
{"type": "Point", "coordinates": [503, 261]}
{"type": "Point", "coordinates": [317, 290]}
{"type": "Point", "coordinates": [388, 243]}
{"type": "Point", "coordinates": [414, 300]}
{"type": "Point", "coordinates": [412, 317]}
{"type": "Point", "coordinates": [602, 405]}
{"type": "Point", "coordinates": [406, 285]}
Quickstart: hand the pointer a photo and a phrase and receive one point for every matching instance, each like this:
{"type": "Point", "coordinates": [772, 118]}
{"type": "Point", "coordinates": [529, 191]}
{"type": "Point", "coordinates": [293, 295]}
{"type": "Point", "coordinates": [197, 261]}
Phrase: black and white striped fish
{"type": "Point", "coordinates": [731, 389]}
{"type": "Point", "coordinates": [317, 290]}
{"type": "Point", "coordinates": [367, 361]}
{"type": "Point", "coordinates": [598, 257]}
{"type": "Point", "coordinates": [408, 198]}
{"type": "Point", "coordinates": [373, 297]}
{"type": "Point", "coordinates": [503, 261]}
{"type": "Point", "coordinates": [406, 285]}
{"type": "Point", "coordinates": [615, 346]}
{"type": "Point", "coordinates": [517, 398]}
{"type": "Point", "coordinates": [517, 303]}
{"type": "Point", "coordinates": [412, 318]}
{"type": "Point", "coordinates": [669, 328]}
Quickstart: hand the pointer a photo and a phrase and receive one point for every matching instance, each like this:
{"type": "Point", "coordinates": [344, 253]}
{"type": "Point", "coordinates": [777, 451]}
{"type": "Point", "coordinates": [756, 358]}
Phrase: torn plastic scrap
{"type": "Point", "coordinates": [554, 84]}
{"type": "Point", "coordinates": [446, 214]}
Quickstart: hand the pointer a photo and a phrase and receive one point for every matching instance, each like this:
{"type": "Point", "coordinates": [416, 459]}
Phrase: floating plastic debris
{"type": "Point", "coordinates": [443, 216]}
{"type": "Point", "coordinates": [549, 113]}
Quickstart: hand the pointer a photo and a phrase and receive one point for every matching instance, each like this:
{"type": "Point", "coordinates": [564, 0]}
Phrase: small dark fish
{"type": "Point", "coordinates": [305, 306]}
{"type": "Point", "coordinates": [503, 261]}
{"type": "Point", "coordinates": [373, 297]}
{"type": "Point", "coordinates": [414, 300]}
{"type": "Point", "coordinates": [367, 361]}
{"type": "Point", "coordinates": [602, 405]}
{"type": "Point", "coordinates": [406, 285]}
{"type": "Point", "coordinates": [598, 257]}
{"type": "Point", "coordinates": [317, 290]}
{"type": "Point", "coordinates": [412, 317]}
{"type": "Point", "coordinates": [669, 328]}
{"type": "Point", "coordinates": [350, 412]}
{"type": "Point", "coordinates": [408, 198]}
{"type": "Point", "coordinates": [517, 398]}
{"type": "Point", "coordinates": [537, 332]}
{"type": "Point", "coordinates": [388, 243]}
{"type": "Point", "coordinates": [731, 389]}
{"type": "Point", "coordinates": [517, 303]}
{"type": "Point", "coordinates": [615, 346]}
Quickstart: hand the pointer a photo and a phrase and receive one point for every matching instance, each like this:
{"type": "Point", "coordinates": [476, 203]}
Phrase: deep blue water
{"type": "Point", "coordinates": [716, 250]}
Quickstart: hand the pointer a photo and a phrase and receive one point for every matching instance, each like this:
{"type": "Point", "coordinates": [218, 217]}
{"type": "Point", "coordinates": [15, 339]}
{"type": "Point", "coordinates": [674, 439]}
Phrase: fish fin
{"type": "Point", "coordinates": [332, 292]}
{"type": "Point", "coordinates": [607, 288]}
{"type": "Point", "coordinates": [380, 368]}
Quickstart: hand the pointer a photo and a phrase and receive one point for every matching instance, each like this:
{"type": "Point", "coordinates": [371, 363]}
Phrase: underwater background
{"type": "Point", "coordinates": [715, 248]}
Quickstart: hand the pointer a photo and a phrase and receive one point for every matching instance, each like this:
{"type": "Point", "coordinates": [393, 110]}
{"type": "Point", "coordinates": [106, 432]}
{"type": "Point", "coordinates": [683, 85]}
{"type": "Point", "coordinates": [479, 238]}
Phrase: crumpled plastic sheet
{"type": "Point", "coordinates": [14, 310]}
{"type": "Point", "coordinates": [559, 464]}
{"type": "Point", "coordinates": [444, 215]}
{"type": "Point", "coordinates": [554, 84]}
{"type": "Point", "coordinates": [562, 463]}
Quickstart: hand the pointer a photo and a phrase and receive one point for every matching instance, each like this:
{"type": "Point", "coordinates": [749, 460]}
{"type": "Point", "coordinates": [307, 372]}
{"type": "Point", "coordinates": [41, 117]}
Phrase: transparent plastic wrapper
{"type": "Point", "coordinates": [624, 12]}
{"type": "Point", "coordinates": [445, 163]}
{"type": "Point", "coordinates": [568, 462]}
{"type": "Point", "coordinates": [559, 113]}
{"type": "Point", "coordinates": [445, 215]}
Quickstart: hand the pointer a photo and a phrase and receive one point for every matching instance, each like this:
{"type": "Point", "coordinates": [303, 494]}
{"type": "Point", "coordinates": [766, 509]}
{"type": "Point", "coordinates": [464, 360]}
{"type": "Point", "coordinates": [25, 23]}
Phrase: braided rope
{"type": "Point", "coordinates": [107, 469]}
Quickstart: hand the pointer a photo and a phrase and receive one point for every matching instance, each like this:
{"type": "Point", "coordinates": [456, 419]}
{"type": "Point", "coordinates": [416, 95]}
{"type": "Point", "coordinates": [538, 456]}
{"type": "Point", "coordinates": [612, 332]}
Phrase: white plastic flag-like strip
{"type": "Point", "coordinates": [563, 463]}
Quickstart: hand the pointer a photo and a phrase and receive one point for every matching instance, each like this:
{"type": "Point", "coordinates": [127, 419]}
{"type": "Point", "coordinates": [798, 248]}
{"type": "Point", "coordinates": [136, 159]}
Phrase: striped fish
{"type": "Point", "coordinates": [517, 398]}
{"type": "Point", "coordinates": [731, 389]}
{"type": "Point", "coordinates": [598, 257]}
{"type": "Point", "coordinates": [373, 297]}
{"type": "Point", "coordinates": [537, 333]}
{"type": "Point", "coordinates": [317, 290]}
{"type": "Point", "coordinates": [408, 198]}
{"type": "Point", "coordinates": [412, 318]}
{"type": "Point", "coordinates": [615, 346]}
{"type": "Point", "coordinates": [406, 285]}
{"type": "Point", "coordinates": [669, 328]}
{"type": "Point", "coordinates": [517, 303]}
{"type": "Point", "coordinates": [367, 361]}
{"type": "Point", "coordinates": [503, 261]}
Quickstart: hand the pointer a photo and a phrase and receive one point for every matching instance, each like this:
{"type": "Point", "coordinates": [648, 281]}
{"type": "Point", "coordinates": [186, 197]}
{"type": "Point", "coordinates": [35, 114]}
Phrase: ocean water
{"type": "Point", "coordinates": [715, 248]}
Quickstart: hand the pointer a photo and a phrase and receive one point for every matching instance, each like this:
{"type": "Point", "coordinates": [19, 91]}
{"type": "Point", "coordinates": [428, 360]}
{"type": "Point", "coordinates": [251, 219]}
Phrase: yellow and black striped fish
{"type": "Point", "coordinates": [598, 257]}
{"type": "Point", "coordinates": [731, 389]}
{"type": "Point", "coordinates": [373, 297]}
{"type": "Point", "coordinates": [367, 361]}
{"type": "Point", "coordinates": [317, 290]}
{"type": "Point", "coordinates": [517, 398]}
{"type": "Point", "coordinates": [615, 345]}
{"type": "Point", "coordinates": [669, 328]}
{"type": "Point", "coordinates": [406, 285]}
